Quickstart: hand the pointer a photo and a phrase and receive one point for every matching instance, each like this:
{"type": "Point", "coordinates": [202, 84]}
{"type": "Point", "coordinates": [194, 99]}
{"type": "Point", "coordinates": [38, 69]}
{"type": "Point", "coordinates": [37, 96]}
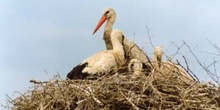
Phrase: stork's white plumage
{"type": "Point", "coordinates": [103, 61]}
{"type": "Point", "coordinates": [131, 49]}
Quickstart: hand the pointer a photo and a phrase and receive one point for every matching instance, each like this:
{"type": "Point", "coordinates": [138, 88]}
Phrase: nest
{"type": "Point", "coordinates": [158, 90]}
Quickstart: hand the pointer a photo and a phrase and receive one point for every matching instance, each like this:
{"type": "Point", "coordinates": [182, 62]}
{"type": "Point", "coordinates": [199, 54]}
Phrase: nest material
{"type": "Point", "coordinates": [157, 91]}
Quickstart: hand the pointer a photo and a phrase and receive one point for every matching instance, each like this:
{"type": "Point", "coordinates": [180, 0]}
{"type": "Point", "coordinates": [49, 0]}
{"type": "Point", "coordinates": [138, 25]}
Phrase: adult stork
{"type": "Point", "coordinates": [131, 49]}
{"type": "Point", "coordinates": [102, 62]}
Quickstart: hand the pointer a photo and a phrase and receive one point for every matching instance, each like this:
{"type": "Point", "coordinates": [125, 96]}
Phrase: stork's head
{"type": "Point", "coordinates": [109, 15]}
{"type": "Point", "coordinates": [158, 53]}
{"type": "Point", "coordinates": [136, 67]}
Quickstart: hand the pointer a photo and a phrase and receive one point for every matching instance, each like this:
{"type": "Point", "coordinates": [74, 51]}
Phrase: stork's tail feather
{"type": "Point", "coordinates": [76, 72]}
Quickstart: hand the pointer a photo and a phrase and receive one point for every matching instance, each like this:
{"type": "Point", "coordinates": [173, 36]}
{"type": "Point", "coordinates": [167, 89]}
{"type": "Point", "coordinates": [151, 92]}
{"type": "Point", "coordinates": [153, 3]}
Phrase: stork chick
{"type": "Point", "coordinates": [136, 67]}
{"type": "Point", "coordinates": [158, 53]}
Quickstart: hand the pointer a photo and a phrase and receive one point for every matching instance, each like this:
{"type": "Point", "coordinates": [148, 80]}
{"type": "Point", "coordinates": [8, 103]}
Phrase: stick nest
{"type": "Point", "coordinates": [156, 91]}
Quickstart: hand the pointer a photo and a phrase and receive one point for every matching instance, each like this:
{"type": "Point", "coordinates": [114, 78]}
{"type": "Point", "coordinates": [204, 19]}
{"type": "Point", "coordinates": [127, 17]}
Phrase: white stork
{"type": "Point", "coordinates": [169, 66]}
{"type": "Point", "coordinates": [103, 61]}
{"type": "Point", "coordinates": [132, 51]}
{"type": "Point", "coordinates": [136, 67]}
{"type": "Point", "coordinates": [157, 58]}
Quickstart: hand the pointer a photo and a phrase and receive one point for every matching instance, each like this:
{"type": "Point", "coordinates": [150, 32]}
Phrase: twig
{"type": "Point", "coordinates": [149, 36]}
{"type": "Point", "coordinates": [189, 70]}
{"type": "Point", "coordinates": [200, 64]}
{"type": "Point", "coordinates": [88, 93]}
{"type": "Point", "coordinates": [130, 50]}
{"type": "Point", "coordinates": [133, 105]}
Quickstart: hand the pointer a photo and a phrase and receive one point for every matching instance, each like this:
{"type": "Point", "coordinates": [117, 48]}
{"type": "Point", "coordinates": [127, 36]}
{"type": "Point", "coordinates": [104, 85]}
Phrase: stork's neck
{"type": "Point", "coordinates": [118, 50]}
{"type": "Point", "coordinates": [107, 33]}
{"type": "Point", "coordinates": [117, 46]}
{"type": "Point", "coordinates": [110, 22]}
{"type": "Point", "coordinates": [108, 28]}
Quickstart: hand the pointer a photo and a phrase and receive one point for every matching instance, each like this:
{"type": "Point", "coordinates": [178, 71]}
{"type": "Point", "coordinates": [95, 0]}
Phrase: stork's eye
{"type": "Point", "coordinates": [107, 12]}
{"type": "Point", "coordinates": [132, 65]}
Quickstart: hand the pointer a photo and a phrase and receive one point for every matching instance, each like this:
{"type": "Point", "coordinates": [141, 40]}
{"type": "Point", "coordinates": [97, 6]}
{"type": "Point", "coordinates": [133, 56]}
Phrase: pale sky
{"type": "Point", "coordinates": [52, 35]}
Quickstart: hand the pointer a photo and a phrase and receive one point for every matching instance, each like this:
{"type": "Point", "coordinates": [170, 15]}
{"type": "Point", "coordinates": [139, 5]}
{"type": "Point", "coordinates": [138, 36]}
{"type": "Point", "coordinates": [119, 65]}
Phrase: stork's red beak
{"type": "Point", "coordinates": [101, 21]}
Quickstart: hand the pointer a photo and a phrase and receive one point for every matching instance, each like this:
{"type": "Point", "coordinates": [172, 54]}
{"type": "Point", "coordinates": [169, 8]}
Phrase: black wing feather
{"type": "Point", "coordinates": [77, 73]}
